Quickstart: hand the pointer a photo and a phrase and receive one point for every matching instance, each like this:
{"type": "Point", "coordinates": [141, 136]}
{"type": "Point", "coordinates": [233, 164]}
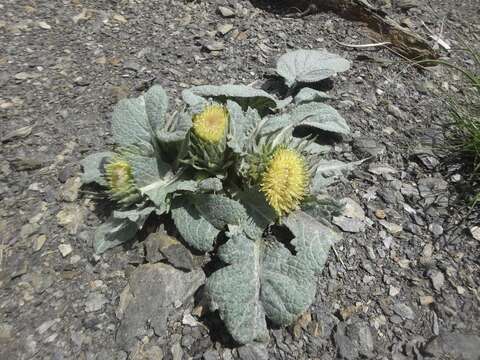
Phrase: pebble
{"type": "Point", "coordinates": [95, 302]}
{"type": "Point", "coordinates": [348, 224]}
{"type": "Point", "coordinates": [475, 231]}
{"type": "Point", "coordinates": [438, 279]}
{"type": "Point", "coordinates": [436, 229]}
{"type": "Point", "coordinates": [426, 300]}
{"type": "Point", "coordinates": [65, 249]}
{"type": "Point", "coordinates": [226, 12]}
{"type": "Point", "coordinates": [393, 291]}
{"type": "Point", "coordinates": [224, 28]}
{"type": "Point", "coordinates": [392, 228]}
{"type": "Point", "coordinates": [404, 311]}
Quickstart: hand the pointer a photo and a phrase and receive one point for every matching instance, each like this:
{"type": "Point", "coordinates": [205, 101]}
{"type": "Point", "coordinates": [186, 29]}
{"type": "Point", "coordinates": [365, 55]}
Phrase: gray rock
{"type": "Point", "coordinates": [346, 348]}
{"type": "Point", "coordinates": [454, 345]}
{"type": "Point", "coordinates": [211, 355]}
{"type": "Point", "coordinates": [177, 352]}
{"type": "Point", "coordinates": [436, 229]}
{"type": "Point", "coordinates": [404, 311]}
{"type": "Point", "coordinates": [5, 331]}
{"type": "Point", "coordinates": [160, 246]}
{"type": "Point", "coordinates": [368, 146]}
{"type": "Point", "coordinates": [155, 291]}
{"type": "Point", "coordinates": [95, 302]}
{"type": "Point", "coordinates": [226, 12]}
{"type": "Point", "coordinates": [253, 352]}
{"type": "Point", "coordinates": [348, 224]}
{"type": "Point", "coordinates": [361, 334]}
{"type": "Point", "coordinates": [438, 279]}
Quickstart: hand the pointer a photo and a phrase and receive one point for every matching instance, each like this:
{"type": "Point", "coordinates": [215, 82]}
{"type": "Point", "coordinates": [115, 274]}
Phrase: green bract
{"type": "Point", "coordinates": [203, 165]}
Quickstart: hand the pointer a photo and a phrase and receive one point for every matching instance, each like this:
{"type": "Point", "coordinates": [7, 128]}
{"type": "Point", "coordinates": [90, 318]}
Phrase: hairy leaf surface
{"type": "Point", "coordinates": [93, 167]}
{"type": "Point", "coordinates": [266, 279]}
{"type": "Point", "coordinates": [309, 66]}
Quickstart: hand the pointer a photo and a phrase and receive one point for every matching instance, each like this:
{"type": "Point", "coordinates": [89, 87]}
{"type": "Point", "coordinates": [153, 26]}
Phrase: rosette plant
{"type": "Point", "coordinates": [228, 165]}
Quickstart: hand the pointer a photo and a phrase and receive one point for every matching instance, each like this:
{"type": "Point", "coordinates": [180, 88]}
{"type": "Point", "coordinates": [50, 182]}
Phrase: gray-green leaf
{"type": "Point", "coordinates": [93, 167]}
{"type": "Point", "coordinates": [242, 124]}
{"type": "Point", "coordinates": [120, 228]}
{"type": "Point", "coordinates": [312, 115]}
{"type": "Point", "coordinates": [244, 95]}
{"type": "Point", "coordinates": [195, 230]}
{"type": "Point", "coordinates": [130, 125]}
{"type": "Point", "coordinates": [266, 279]}
{"type": "Point", "coordinates": [156, 105]}
{"type": "Point", "coordinates": [309, 66]}
{"type": "Point", "coordinates": [306, 95]}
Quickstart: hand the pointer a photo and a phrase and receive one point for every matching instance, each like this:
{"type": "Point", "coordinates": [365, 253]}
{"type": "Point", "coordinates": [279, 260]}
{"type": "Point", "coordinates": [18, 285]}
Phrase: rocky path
{"type": "Point", "coordinates": [405, 281]}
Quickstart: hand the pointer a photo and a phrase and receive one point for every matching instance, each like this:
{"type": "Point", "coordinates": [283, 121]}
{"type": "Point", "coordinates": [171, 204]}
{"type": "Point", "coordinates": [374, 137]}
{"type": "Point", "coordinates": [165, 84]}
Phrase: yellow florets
{"type": "Point", "coordinates": [285, 181]}
{"type": "Point", "coordinates": [211, 124]}
{"type": "Point", "coordinates": [119, 177]}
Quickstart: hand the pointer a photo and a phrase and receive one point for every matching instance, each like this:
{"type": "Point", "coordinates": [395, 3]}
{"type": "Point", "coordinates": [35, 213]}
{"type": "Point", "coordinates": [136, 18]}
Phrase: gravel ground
{"type": "Point", "coordinates": [403, 284]}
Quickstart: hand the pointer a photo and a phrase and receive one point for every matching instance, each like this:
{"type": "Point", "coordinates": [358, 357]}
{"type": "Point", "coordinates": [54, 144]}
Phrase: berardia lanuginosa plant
{"type": "Point", "coordinates": [229, 164]}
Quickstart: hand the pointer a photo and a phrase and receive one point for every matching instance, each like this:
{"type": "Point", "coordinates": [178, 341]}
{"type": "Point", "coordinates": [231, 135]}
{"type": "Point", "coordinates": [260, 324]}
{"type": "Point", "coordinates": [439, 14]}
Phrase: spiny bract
{"type": "Point", "coordinates": [210, 125]}
{"type": "Point", "coordinates": [119, 178]}
{"type": "Point", "coordinates": [285, 180]}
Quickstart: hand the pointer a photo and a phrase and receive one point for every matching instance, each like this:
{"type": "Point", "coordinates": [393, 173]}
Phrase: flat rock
{"type": "Point", "coordinates": [95, 302]}
{"type": "Point", "coordinates": [349, 225]}
{"type": "Point", "coordinates": [159, 246]}
{"type": "Point", "coordinates": [454, 346]}
{"type": "Point", "coordinates": [404, 311]}
{"type": "Point", "coordinates": [155, 290]}
{"type": "Point", "coordinates": [368, 146]}
{"type": "Point", "coordinates": [438, 279]}
{"type": "Point", "coordinates": [253, 352]}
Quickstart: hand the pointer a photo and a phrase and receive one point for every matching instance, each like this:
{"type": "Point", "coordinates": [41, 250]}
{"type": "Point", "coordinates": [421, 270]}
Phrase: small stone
{"type": "Point", "coordinates": [44, 25]}
{"type": "Point", "coordinates": [39, 242]}
{"type": "Point", "coordinates": [119, 18]}
{"type": "Point", "coordinates": [5, 331]}
{"type": "Point", "coordinates": [392, 228]}
{"type": "Point", "coordinates": [348, 224]}
{"type": "Point", "coordinates": [461, 290]}
{"type": "Point", "coordinates": [426, 300]}
{"type": "Point", "coordinates": [253, 351]}
{"type": "Point", "coordinates": [381, 169]}
{"type": "Point", "coordinates": [176, 351]}
{"type": "Point", "coordinates": [226, 12]}
{"type": "Point", "coordinates": [214, 45]}
{"type": "Point", "coordinates": [380, 214]}
{"type": "Point", "coordinates": [438, 279]}
{"type": "Point", "coordinates": [22, 132]}
{"type": "Point", "coordinates": [393, 291]}
{"type": "Point", "coordinates": [69, 191]}
{"type": "Point", "coordinates": [404, 311]}
{"type": "Point", "coordinates": [352, 209]}
{"type": "Point", "coordinates": [395, 111]}
{"type": "Point", "coordinates": [475, 231]}
{"type": "Point", "coordinates": [454, 346]}
{"type": "Point", "coordinates": [153, 353]}
{"type": "Point", "coordinates": [224, 28]}
{"type": "Point", "coordinates": [65, 249]}
{"type": "Point", "coordinates": [211, 355]}
{"type": "Point", "coordinates": [95, 302]}
{"type": "Point", "coordinates": [436, 229]}
{"type": "Point", "coordinates": [368, 146]}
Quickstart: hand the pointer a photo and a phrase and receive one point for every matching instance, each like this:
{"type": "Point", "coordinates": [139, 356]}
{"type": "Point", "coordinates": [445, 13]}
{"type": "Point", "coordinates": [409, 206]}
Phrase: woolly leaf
{"type": "Point", "coordinates": [242, 124]}
{"type": "Point", "coordinates": [130, 125]}
{"type": "Point", "coordinates": [220, 210]}
{"type": "Point", "coordinates": [266, 279]}
{"type": "Point", "coordinates": [245, 96]}
{"type": "Point", "coordinates": [309, 66]}
{"type": "Point", "coordinates": [156, 105]}
{"type": "Point", "coordinates": [311, 115]}
{"type": "Point", "coordinates": [147, 169]}
{"type": "Point", "coordinates": [120, 228]}
{"type": "Point", "coordinates": [93, 168]}
{"type": "Point", "coordinates": [195, 230]}
{"type": "Point", "coordinates": [306, 95]}
{"type": "Point", "coordinates": [158, 192]}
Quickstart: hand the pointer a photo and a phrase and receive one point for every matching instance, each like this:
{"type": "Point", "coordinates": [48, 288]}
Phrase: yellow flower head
{"type": "Point", "coordinates": [211, 124]}
{"type": "Point", "coordinates": [285, 180]}
{"type": "Point", "coordinates": [119, 177]}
